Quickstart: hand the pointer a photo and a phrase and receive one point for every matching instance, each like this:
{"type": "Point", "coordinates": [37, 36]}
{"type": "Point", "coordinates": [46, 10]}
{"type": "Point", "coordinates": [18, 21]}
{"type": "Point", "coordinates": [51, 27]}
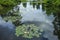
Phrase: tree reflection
{"type": "Point", "coordinates": [34, 4]}
{"type": "Point", "coordinates": [57, 25]}
{"type": "Point", "coordinates": [38, 6]}
{"type": "Point", "coordinates": [24, 4]}
{"type": "Point", "coordinates": [49, 7]}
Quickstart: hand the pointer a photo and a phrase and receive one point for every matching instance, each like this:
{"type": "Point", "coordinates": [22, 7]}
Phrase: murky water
{"type": "Point", "coordinates": [29, 15]}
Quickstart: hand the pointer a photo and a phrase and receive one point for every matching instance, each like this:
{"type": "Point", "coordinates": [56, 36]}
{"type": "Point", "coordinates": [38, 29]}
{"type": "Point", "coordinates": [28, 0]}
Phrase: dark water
{"type": "Point", "coordinates": [31, 14]}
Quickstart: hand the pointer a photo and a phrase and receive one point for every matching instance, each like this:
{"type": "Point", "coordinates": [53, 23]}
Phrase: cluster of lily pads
{"type": "Point", "coordinates": [12, 17]}
{"type": "Point", "coordinates": [28, 31]}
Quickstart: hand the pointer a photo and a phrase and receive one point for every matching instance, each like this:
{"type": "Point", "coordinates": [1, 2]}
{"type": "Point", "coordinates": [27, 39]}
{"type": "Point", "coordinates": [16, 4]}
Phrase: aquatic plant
{"type": "Point", "coordinates": [28, 31]}
{"type": "Point", "coordinates": [14, 16]}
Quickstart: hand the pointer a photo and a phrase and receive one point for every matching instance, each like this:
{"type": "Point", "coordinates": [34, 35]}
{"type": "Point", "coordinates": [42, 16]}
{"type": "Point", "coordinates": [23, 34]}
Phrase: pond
{"type": "Point", "coordinates": [31, 13]}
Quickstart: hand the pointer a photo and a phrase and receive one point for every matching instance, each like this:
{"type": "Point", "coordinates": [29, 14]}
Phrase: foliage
{"type": "Point", "coordinates": [23, 0]}
{"type": "Point", "coordinates": [12, 17]}
{"type": "Point", "coordinates": [51, 6]}
{"type": "Point", "coordinates": [8, 2]}
{"type": "Point", "coordinates": [55, 2]}
{"type": "Point", "coordinates": [6, 5]}
{"type": "Point", "coordinates": [28, 31]}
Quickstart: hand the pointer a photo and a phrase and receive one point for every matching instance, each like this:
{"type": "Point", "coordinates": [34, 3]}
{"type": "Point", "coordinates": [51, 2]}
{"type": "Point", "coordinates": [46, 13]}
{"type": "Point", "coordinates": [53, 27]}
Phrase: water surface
{"type": "Point", "coordinates": [31, 14]}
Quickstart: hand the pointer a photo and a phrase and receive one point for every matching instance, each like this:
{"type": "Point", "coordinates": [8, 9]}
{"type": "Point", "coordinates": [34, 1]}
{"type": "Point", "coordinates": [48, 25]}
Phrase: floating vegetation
{"type": "Point", "coordinates": [12, 18]}
{"type": "Point", "coordinates": [28, 31]}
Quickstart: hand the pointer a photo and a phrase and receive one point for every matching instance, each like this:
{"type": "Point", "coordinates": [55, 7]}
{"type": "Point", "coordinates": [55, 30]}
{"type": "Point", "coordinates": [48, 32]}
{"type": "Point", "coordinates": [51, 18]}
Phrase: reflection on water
{"type": "Point", "coordinates": [38, 17]}
{"type": "Point", "coordinates": [6, 30]}
{"type": "Point", "coordinates": [30, 15]}
{"type": "Point", "coordinates": [57, 25]}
